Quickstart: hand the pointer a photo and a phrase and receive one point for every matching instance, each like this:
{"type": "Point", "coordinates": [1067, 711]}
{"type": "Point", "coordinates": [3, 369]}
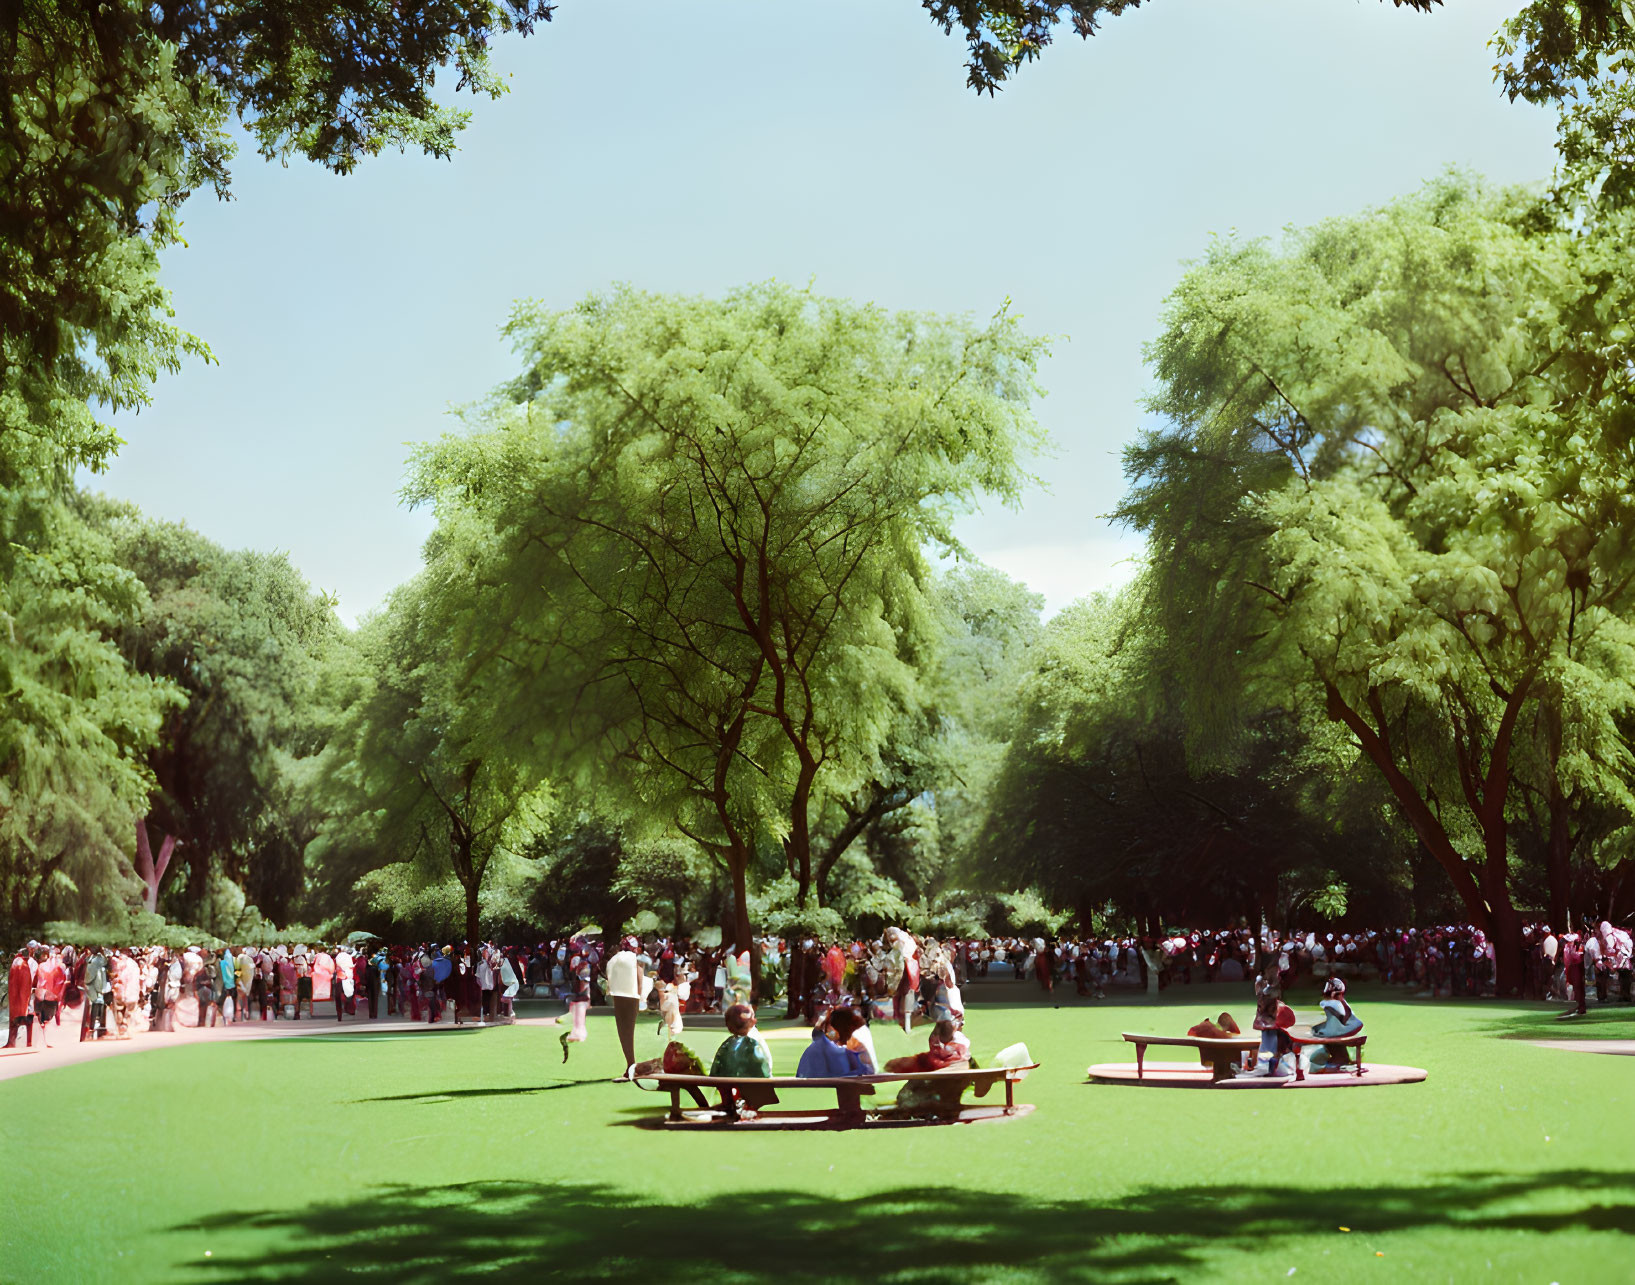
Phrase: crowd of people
{"type": "Point", "coordinates": [121, 991]}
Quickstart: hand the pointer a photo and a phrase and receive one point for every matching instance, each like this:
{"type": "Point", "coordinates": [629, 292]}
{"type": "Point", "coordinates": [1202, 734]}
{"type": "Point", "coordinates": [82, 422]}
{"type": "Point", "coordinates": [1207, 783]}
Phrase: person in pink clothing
{"type": "Point", "coordinates": [323, 980]}
{"type": "Point", "coordinates": [127, 992]}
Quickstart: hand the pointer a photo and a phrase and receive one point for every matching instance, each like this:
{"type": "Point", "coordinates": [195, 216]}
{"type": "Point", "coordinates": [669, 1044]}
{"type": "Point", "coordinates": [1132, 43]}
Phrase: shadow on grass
{"type": "Point", "coordinates": [444, 1095]}
{"type": "Point", "coordinates": [503, 1231]}
{"type": "Point", "coordinates": [1546, 1023]}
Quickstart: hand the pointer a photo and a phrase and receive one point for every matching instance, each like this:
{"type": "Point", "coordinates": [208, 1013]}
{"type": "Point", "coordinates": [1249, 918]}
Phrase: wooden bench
{"type": "Point", "coordinates": [1340, 1041]}
{"type": "Point", "coordinates": [848, 1090]}
{"type": "Point", "coordinates": [1222, 1053]}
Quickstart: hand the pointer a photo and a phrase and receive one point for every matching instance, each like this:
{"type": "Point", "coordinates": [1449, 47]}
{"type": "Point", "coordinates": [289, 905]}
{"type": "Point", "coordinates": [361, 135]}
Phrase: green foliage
{"type": "Point", "coordinates": [1578, 56]}
{"type": "Point", "coordinates": [690, 543]}
{"type": "Point", "coordinates": [411, 768]}
{"type": "Point", "coordinates": [1003, 36]}
{"type": "Point", "coordinates": [1026, 914]}
{"type": "Point", "coordinates": [76, 722]}
{"type": "Point", "coordinates": [665, 873]}
{"type": "Point", "coordinates": [1330, 901]}
{"type": "Point", "coordinates": [774, 909]}
{"type": "Point", "coordinates": [114, 113]}
{"type": "Point", "coordinates": [864, 898]}
{"type": "Point", "coordinates": [110, 116]}
{"type": "Point", "coordinates": [401, 902]}
{"type": "Point", "coordinates": [247, 640]}
{"type": "Point", "coordinates": [954, 913]}
{"type": "Point", "coordinates": [1100, 801]}
{"type": "Point", "coordinates": [1395, 492]}
{"type": "Point", "coordinates": [589, 874]}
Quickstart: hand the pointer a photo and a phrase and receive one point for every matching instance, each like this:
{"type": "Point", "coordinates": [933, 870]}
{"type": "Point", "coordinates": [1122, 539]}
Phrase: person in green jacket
{"type": "Point", "coordinates": [94, 1020]}
{"type": "Point", "coordinates": [743, 1055]}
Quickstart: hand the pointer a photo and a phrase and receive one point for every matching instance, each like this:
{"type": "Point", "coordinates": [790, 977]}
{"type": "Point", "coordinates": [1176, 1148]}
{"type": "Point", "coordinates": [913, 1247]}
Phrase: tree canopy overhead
{"type": "Point", "coordinates": [1003, 36]}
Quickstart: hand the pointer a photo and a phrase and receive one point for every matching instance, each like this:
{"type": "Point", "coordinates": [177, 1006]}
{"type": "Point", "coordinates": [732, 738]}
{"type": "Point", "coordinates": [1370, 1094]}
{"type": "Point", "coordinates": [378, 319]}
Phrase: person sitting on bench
{"type": "Point", "coordinates": [948, 1047]}
{"type": "Point", "coordinates": [949, 1050]}
{"type": "Point", "coordinates": [1222, 1028]}
{"type": "Point", "coordinates": [828, 1055]}
{"type": "Point", "coordinates": [1338, 1019]}
{"type": "Point", "coordinates": [1272, 1019]}
{"type": "Point", "coordinates": [743, 1055]}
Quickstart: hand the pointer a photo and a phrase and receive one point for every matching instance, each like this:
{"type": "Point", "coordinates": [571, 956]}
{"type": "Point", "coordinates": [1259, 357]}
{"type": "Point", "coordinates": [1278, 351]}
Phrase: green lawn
{"type": "Point", "coordinates": [478, 1156]}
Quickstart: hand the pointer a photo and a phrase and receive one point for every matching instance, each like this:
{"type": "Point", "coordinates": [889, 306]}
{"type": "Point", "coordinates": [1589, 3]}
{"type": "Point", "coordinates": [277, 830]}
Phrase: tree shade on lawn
{"type": "Point", "coordinates": [455, 1157]}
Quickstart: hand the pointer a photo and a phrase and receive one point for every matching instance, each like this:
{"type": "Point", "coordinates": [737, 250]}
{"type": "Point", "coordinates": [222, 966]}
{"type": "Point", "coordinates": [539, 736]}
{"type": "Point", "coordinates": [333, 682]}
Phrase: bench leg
{"type": "Point", "coordinates": [1222, 1063]}
{"type": "Point", "coordinates": [1359, 1061]}
{"type": "Point", "coordinates": [850, 1102]}
{"type": "Point", "coordinates": [1299, 1066]}
{"type": "Point", "coordinates": [675, 1103]}
{"type": "Point", "coordinates": [1140, 1054]}
{"type": "Point", "coordinates": [1010, 1096]}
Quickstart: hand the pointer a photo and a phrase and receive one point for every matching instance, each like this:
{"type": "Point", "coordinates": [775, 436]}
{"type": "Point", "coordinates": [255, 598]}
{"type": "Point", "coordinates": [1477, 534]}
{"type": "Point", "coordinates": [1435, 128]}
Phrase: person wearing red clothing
{"type": "Point", "coordinates": [50, 982]}
{"type": "Point", "coordinates": [1572, 956]}
{"type": "Point", "coordinates": [20, 997]}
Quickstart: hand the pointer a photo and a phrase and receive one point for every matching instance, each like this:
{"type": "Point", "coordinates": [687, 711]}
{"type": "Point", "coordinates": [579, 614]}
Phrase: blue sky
{"type": "Point", "coordinates": [696, 147]}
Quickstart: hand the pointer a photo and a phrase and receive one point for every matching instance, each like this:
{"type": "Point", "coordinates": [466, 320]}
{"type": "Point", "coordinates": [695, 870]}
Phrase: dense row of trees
{"type": "Point", "coordinates": [694, 637]}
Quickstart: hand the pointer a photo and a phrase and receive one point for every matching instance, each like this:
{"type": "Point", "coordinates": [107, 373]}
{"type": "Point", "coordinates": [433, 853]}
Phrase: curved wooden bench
{"type": "Point", "coordinates": [848, 1090]}
{"type": "Point", "coordinates": [1300, 1041]}
{"type": "Point", "coordinates": [1222, 1053]}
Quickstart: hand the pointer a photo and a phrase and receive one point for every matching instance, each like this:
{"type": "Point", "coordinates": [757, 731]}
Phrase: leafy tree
{"type": "Point", "coordinates": [76, 722]}
{"type": "Point", "coordinates": [1005, 35]}
{"type": "Point", "coordinates": [1578, 56]}
{"type": "Point", "coordinates": [1393, 487]}
{"type": "Point", "coordinates": [694, 539]}
{"type": "Point", "coordinates": [1099, 801]}
{"type": "Point", "coordinates": [110, 115]}
{"type": "Point", "coordinates": [665, 870]}
{"type": "Point", "coordinates": [946, 745]}
{"type": "Point", "coordinates": [414, 760]}
{"type": "Point", "coordinates": [244, 637]}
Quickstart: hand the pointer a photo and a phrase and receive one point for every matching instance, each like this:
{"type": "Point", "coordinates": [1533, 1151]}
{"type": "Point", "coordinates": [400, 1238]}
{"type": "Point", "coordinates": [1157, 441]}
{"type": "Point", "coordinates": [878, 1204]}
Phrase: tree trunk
{"type": "Point", "coordinates": [741, 932]}
{"type": "Point", "coordinates": [797, 985]}
{"type": "Point", "coordinates": [799, 842]}
{"type": "Point", "coordinates": [471, 912]}
{"type": "Point", "coordinates": [1508, 954]}
{"type": "Point", "coordinates": [150, 868]}
{"type": "Point", "coordinates": [1417, 812]}
{"type": "Point", "coordinates": [1558, 858]}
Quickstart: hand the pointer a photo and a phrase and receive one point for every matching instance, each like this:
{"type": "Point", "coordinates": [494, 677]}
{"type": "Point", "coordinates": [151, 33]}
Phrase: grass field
{"type": "Point", "coordinates": [478, 1156]}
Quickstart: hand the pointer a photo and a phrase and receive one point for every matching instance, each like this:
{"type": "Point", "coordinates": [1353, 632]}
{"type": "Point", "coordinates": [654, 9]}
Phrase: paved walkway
{"type": "Point", "coordinates": [67, 1050]}
{"type": "Point", "coordinates": [1625, 1047]}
